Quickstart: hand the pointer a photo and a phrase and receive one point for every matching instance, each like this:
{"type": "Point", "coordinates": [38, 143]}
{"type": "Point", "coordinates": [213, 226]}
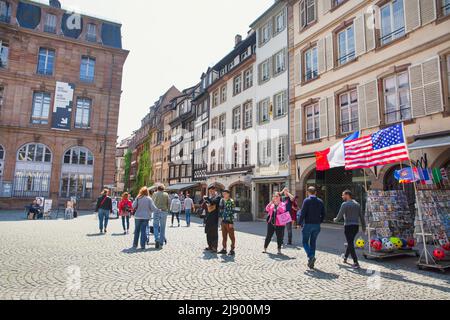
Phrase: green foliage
{"type": "Point", "coordinates": [144, 173]}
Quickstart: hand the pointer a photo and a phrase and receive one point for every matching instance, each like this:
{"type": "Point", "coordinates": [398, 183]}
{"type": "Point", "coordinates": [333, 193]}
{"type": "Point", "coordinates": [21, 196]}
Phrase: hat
{"type": "Point", "coordinates": [176, 196]}
{"type": "Point", "coordinates": [152, 188]}
{"type": "Point", "coordinates": [212, 186]}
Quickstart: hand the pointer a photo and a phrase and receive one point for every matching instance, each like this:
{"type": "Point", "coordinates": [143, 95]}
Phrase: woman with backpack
{"type": "Point", "coordinates": [175, 208]}
{"type": "Point", "coordinates": [276, 221]}
{"type": "Point", "coordinates": [125, 208]}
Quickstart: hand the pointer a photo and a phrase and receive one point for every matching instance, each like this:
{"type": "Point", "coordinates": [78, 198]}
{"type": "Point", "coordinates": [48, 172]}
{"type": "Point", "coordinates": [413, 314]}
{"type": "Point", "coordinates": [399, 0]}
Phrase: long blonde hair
{"type": "Point", "coordinates": [143, 192]}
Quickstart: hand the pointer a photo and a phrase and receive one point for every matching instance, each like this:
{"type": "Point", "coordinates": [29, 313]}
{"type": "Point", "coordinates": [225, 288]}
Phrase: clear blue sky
{"type": "Point", "coordinates": [171, 43]}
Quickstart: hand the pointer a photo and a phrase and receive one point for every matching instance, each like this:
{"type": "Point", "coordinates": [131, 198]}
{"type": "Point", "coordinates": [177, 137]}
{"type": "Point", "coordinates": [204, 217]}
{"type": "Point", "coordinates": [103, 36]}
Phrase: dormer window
{"type": "Point", "coordinates": [91, 33]}
{"type": "Point", "coordinates": [5, 11]}
{"type": "Point", "coordinates": [50, 23]}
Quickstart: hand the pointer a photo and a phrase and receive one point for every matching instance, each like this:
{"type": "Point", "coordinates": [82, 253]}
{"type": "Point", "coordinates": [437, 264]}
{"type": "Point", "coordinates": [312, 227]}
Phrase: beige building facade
{"type": "Point", "coordinates": [366, 65]}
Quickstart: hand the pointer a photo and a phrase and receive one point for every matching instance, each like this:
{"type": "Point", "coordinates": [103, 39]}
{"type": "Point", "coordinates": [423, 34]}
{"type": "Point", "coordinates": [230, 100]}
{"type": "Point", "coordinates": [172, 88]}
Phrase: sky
{"type": "Point", "coordinates": [170, 42]}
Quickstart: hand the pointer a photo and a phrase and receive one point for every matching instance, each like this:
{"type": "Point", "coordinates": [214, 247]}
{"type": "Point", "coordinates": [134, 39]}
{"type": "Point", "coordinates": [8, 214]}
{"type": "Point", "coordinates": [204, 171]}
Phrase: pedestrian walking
{"type": "Point", "coordinates": [275, 208]}
{"type": "Point", "coordinates": [290, 202]}
{"type": "Point", "coordinates": [212, 218]}
{"type": "Point", "coordinates": [162, 201]}
{"type": "Point", "coordinates": [311, 217]}
{"type": "Point", "coordinates": [352, 214]}
{"type": "Point", "coordinates": [103, 209]}
{"type": "Point", "coordinates": [175, 209]}
{"type": "Point", "coordinates": [188, 209]}
{"type": "Point", "coordinates": [227, 211]}
{"type": "Point", "coordinates": [125, 208]}
{"type": "Point", "coordinates": [144, 206]}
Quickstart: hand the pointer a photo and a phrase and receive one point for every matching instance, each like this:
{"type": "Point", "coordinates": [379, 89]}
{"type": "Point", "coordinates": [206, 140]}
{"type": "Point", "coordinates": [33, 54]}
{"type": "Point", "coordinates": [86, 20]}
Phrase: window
{"type": "Point", "coordinates": [222, 124]}
{"type": "Point", "coordinates": [265, 34]}
{"type": "Point", "coordinates": [91, 33]}
{"type": "Point", "coordinates": [215, 127]}
{"type": "Point", "coordinates": [50, 23]}
{"type": "Point", "coordinates": [221, 160]}
{"type": "Point", "coordinates": [2, 153]}
{"type": "Point", "coordinates": [5, 11]}
{"type": "Point", "coordinates": [2, 92]}
{"type": "Point", "coordinates": [280, 62]}
{"type": "Point", "coordinates": [248, 78]}
{"type": "Point", "coordinates": [280, 22]}
{"type": "Point", "coordinates": [41, 108]}
{"type": "Point", "coordinates": [248, 115]}
{"type": "Point", "coordinates": [87, 69]}
{"type": "Point", "coordinates": [2, 161]}
{"type": "Point", "coordinates": [83, 113]}
{"type": "Point", "coordinates": [263, 108]}
{"type": "Point", "coordinates": [311, 68]}
{"type": "Point", "coordinates": [235, 153]}
{"type": "Point", "coordinates": [4, 54]}
{"type": "Point", "coordinates": [396, 98]}
{"type": "Point", "coordinates": [223, 94]}
{"type": "Point", "coordinates": [346, 45]}
{"type": "Point", "coordinates": [78, 156]}
{"type": "Point", "coordinates": [348, 111]}
{"type": "Point", "coordinates": [46, 61]}
{"type": "Point", "coordinates": [445, 7]}
{"type": "Point", "coordinates": [280, 104]}
{"type": "Point", "coordinates": [237, 118]}
{"type": "Point", "coordinates": [77, 173]}
{"type": "Point", "coordinates": [237, 84]}
{"type": "Point", "coordinates": [264, 71]}
{"type": "Point", "coordinates": [34, 153]}
{"type": "Point", "coordinates": [215, 99]}
{"type": "Point", "coordinates": [282, 149]}
{"type": "Point", "coordinates": [392, 21]}
{"type": "Point", "coordinates": [307, 12]}
{"type": "Point", "coordinates": [246, 160]}
{"type": "Point", "coordinates": [212, 167]}
{"type": "Point", "coordinates": [312, 122]}
{"type": "Point", "coordinates": [265, 153]}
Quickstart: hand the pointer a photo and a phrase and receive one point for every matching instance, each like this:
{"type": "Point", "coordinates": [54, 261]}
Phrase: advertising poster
{"type": "Point", "coordinates": [62, 107]}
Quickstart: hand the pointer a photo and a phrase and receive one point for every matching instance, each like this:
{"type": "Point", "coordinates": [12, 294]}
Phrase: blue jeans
{"type": "Point", "coordinates": [103, 218]}
{"type": "Point", "coordinates": [188, 216]}
{"type": "Point", "coordinates": [310, 234]}
{"type": "Point", "coordinates": [140, 228]}
{"type": "Point", "coordinates": [159, 225]}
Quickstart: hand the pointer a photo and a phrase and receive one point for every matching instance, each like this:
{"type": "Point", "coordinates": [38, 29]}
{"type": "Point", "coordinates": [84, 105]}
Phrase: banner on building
{"type": "Point", "coordinates": [62, 107]}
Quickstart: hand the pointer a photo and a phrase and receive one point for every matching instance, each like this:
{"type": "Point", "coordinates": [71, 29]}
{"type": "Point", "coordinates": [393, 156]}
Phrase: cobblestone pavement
{"type": "Point", "coordinates": [45, 259]}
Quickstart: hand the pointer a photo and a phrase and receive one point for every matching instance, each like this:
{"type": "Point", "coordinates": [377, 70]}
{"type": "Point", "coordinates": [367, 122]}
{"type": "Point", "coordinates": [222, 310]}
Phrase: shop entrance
{"type": "Point", "coordinates": [264, 196]}
{"type": "Point", "coordinates": [241, 194]}
{"type": "Point", "coordinates": [330, 185]}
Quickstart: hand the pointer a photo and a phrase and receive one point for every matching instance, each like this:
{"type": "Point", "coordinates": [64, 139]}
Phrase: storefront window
{"type": "Point", "coordinates": [2, 159]}
{"type": "Point", "coordinates": [77, 173]}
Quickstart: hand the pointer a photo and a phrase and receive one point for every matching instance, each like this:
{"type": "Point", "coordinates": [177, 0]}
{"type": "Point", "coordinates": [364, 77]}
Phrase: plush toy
{"type": "Point", "coordinates": [377, 245]}
{"type": "Point", "coordinates": [446, 246]}
{"type": "Point", "coordinates": [439, 254]}
{"type": "Point", "coordinates": [397, 242]}
{"type": "Point", "coordinates": [360, 243]}
{"type": "Point", "coordinates": [411, 243]}
{"type": "Point", "coordinates": [389, 246]}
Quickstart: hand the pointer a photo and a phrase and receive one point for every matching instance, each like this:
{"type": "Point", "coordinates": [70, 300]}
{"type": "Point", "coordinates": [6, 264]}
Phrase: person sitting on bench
{"type": "Point", "coordinates": [34, 211]}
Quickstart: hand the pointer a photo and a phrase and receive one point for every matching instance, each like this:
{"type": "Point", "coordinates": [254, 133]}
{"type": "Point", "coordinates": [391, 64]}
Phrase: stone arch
{"type": "Point", "coordinates": [442, 159]}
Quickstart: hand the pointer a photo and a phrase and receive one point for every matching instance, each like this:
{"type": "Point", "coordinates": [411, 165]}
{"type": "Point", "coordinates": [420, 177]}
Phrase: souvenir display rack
{"type": "Point", "coordinates": [388, 215]}
{"type": "Point", "coordinates": [433, 226]}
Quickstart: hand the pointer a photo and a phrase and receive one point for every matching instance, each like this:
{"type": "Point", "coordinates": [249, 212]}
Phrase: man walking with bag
{"type": "Point", "coordinates": [311, 217]}
{"type": "Point", "coordinates": [162, 201]}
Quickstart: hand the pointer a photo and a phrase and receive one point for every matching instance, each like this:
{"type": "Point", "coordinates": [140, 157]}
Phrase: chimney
{"type": "Point", "coordinates": [237, 40]}
{"type": "Point", "coordinates": [55, 4]}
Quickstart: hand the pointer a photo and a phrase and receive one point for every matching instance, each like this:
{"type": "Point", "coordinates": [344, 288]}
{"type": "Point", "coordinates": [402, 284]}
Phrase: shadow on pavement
{"type": "Point", "coordinates": [319, 274]}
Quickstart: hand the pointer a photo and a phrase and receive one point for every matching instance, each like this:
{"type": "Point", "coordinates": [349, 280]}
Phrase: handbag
{"type": "Point", "coordinates": [283, 219]}
{"type": "Point", "coordinates": [211, 208]}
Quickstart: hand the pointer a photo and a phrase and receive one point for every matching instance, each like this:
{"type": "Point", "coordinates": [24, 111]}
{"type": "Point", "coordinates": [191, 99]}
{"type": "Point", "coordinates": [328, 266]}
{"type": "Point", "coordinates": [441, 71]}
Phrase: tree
{"type": "Point", "coordinates": [144, 173]}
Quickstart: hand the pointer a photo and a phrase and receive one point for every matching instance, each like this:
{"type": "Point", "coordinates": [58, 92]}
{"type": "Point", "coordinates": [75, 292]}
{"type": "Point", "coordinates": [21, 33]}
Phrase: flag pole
{"type": "Point", "coordinates": [419, 209]}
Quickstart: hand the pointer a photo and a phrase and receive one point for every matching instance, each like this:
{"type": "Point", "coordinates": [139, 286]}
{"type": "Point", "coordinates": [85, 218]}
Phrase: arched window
{"type": "Point", "coordinates": [246, 159]}
{"type": "Point", "coordinates": [213, 161]}
{"type": "Point", "coordinates": [2, 159]}
{"type": "Point", "coordinates": [77, 173]}
{"type": "Point", "coordinates": [33, 171]}
{"type": "Point", "coordinates": [221, 161]}
{"type": "Point", "coordinates": [235, 153]}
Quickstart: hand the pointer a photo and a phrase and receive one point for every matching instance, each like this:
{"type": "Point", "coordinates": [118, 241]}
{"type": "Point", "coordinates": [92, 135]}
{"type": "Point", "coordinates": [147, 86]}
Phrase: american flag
{"type": "Point", "coordinates": [381, 148]}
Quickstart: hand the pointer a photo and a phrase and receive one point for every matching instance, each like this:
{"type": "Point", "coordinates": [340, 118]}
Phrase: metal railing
{"type": "Point", "coordinates": [31, 186]}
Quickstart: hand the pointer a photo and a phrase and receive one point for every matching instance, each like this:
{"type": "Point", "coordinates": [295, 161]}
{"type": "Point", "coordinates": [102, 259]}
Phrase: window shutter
{"type": "Point", "coordinates": [371, 98]}
{"type": "Point", "coordinates": [369, 23]}
{"type": "Point", "coordinates": [360, 35]}
{"type": "Point", "coordinates": [326, 6]}
{"type": "Point", "coordinates": [323, 109]}
{"type": "Point", "coordinates": [298, 125]}
{"type": "Point", "coordinates": [269, 152]}
{"type": "Point", "coordinates": [321, 59]}
{"type": "Point", "coordinates": [329, 52]}
{"type": "Point", "coordinates": [297, 69]}
{"type": "Point", "coordinates": [259, 37]}
{"type": "Point", "coordinates": [259, 73]}
{"type": "Point", "coordinates": [362, 107]}
{"type": "Point", "coordinates": [285, 102]}
{"type": "Point", "coordinates": [432, 86]}
{"type": "Point", "coordinates": [302, 7]}
{"type": "Point", "coordinates": [417, 94]}
{"type": "Point", "coordinates": [331, 116]}
{"type": "Point", "coordinates": [412, 16]}
{"type": "Point", "coordinates": [427, 11]}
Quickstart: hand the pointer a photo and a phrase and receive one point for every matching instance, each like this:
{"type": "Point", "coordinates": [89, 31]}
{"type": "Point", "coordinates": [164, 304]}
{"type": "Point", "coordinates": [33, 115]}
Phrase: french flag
{"type": "Point", "coordinates": [333, 157]}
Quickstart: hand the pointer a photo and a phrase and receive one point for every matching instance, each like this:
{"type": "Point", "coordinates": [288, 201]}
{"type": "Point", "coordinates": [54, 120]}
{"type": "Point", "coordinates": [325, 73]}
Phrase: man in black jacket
{"type": "Point", "coordinates": [212, 219]}
{"type": "Point", "coordinates": [103, 208]}
{"type": "Point", "coordinates": [311, 217]}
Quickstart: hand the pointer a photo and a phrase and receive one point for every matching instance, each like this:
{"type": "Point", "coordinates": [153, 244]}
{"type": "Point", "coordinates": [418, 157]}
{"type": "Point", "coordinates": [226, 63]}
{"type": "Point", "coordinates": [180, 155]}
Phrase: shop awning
{"type": "Point", "coordinates": [182, 186]}
{"type": "Point", "coordinates": [271, 179]}
{"type": "Point", "coordinates": [427, 143]}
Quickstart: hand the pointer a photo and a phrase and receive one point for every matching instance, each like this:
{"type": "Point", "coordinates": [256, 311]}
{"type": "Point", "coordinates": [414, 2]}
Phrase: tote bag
{"type": "Point", "coordinates": [283, 219]}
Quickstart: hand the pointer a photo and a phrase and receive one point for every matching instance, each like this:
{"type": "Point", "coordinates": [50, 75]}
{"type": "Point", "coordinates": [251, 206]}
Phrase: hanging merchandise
{"type": "Point", "coordinates": [390, 224]}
